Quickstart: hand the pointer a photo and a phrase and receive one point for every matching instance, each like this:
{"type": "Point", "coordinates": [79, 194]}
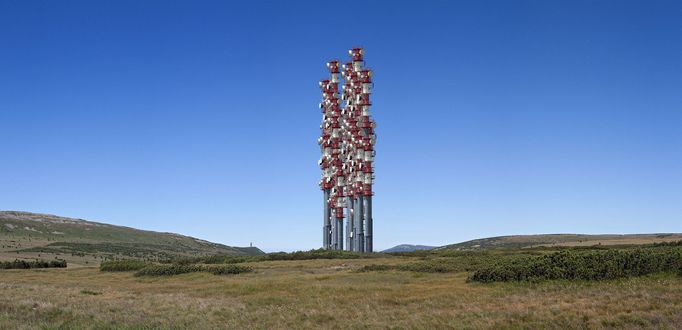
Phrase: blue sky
{"type": "Point", "coordinates": [200, 117]}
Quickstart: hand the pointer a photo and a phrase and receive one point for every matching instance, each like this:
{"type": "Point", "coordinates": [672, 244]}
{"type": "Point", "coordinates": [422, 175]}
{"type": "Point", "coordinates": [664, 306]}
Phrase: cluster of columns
{"type": "Point", "coordinates": [347, 145]}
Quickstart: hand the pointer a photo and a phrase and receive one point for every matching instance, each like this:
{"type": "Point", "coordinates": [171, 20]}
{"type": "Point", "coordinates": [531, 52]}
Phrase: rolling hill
{"type": "Point", "coordinates": [408, 248]}
{"type": "Point", "coordinates": [527, 241]}
{"type": "Point", "coordinates": [27, 235]}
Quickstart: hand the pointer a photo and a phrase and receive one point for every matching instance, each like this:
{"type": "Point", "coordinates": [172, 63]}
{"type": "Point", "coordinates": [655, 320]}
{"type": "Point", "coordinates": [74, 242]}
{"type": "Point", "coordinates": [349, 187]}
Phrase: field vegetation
{"type": "Point", "coordinates": [545, 263]}
{"type": "Point", "coordinates": [562, 240]}
{"type": "Point", "coordinates": [177, 269]}
{"type": "Point", "coordinates": [123, 265]}
{"type": "Point", "coordinates": [30, 236]}
{"type": "Point", "coordinates": [584, 265]}
{"type": "Point", "coordinates": [322, 289]}
{"type": "Point", "coordinates": [23, 264]}
{"type": "Point", "coordinates": [329, 293]}
{"type": "Point", "coordinates": [220, 264]}
{"type": "Point", "coordinates": [298, 255]}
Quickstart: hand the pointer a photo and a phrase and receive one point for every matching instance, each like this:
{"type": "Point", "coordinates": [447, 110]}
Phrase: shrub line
{"type": "Point", "coordinates": [23, 264]}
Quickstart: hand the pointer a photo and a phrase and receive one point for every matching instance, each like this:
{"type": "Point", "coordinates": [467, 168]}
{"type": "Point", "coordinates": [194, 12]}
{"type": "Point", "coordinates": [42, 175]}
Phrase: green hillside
{"type": "Point", "coordinates": [27, 235]}
{"type": "Point", "coordinates": [527, 241]}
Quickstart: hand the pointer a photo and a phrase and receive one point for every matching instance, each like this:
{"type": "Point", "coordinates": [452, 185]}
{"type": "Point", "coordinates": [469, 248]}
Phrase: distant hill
{"type": "Point", "coordinates": [31, 235]}
{"type": "Point", "coordinates": [408, 248]}
{"type": "Point", "coordinates": [525, 241]}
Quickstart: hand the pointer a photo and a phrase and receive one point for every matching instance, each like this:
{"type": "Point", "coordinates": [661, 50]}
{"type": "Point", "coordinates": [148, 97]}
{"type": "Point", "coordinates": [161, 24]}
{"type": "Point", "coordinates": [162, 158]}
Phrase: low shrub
{"type": "Point", "coordinates": [416, 253]}
{"type": "Point", "coordinates": [315, 254]}
{"type": "Point", "coordinates": [433, 266]}
{"type": "Point", "coordinates": [122, 265]}
{"type": "Point", "coordinates": [298, 255]}
{"type": "Point", "coordinates": [161, 270]}
{"type": "Point", "coordinates": [228, 269]}
{"type": "Point", "coordinates": [214, 259]}
{"type": "Point", "coordinates": [176, 269]}
{"type": "Point", "coordinates": [23, 264]}
{"type": "Point", "coordinates": [90, 292]}
{"type": "Point", "coordinates": [585, 265]}
{"type": "Point", "coordinates": [673, 243]}
{"type": "Point", "coordinates": [452, 261]}
{"type": "Point", "coordinates": [375, 267]}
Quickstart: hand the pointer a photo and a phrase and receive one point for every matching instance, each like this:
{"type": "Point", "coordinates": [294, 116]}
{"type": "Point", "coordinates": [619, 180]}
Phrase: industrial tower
{"type": "Point", "coordinates": [347, 145]}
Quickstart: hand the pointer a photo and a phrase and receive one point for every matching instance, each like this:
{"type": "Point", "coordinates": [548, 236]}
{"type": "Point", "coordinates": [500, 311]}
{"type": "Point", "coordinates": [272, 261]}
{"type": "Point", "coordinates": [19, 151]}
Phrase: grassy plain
{"type": "Point", "coordinates": [329, 294]}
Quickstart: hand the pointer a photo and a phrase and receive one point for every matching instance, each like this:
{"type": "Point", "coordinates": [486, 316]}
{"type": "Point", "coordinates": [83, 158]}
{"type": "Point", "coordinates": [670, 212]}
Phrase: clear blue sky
{"type": "Point", "coordinates": [200, 117]}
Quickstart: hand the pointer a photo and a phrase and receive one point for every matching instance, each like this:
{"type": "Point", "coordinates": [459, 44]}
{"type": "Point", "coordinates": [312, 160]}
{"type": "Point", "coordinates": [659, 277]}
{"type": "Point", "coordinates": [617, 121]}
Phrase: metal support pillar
{"type": "Point", "coordinates": [339, 234]}
{"type": "Point", "coordinates": [333, 235]}
{"type": "Point", "coordinates": [349, 225]}
{"type": "Point", "coordinates": [354, 233]}
{"type": "Point", "coordinates": [327, 226]}
{"type": "Point", "coordinates": [359, 225]}
{"type": "Point", "coordinates": [368, 224]}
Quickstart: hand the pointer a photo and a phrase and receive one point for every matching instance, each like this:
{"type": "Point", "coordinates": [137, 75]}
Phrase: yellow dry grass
{"type": "Point", "coordinates": [328, 294]}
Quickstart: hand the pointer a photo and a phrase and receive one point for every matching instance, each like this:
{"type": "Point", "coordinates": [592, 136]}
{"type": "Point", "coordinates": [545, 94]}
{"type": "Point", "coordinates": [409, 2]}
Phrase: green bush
{"type": "Point", "coordinates": [585, 265]}
{"type": "Point", "coordinates": [214, 259]}
{"type": "Point", "coordinates": [375, 267]}
{"type": "Point", "coordinates": [122, 265]}
{"type": "Point", "coordinates": [674, 243]}
{"type": "Point", "coordinates": [176, 269]}
{"type": "Point", "coordinates": [298, 255]}
{"type": "Point", "coordinates": [416, 253]}
{"type": "Point", "coordinates": [449, 261]}
{"type": "Point", "coordinates": [160, 270]}
{"type": "Point", "coordinates": [228, 269]}
{"type": "Point", "coordinates": [314, 254]}
{"type": "Point", "coordinates": [433, 266]}
{"type": "Point", "coordinates": [23, 264]}
{"type": "Point", "coordinates": [90, 292]}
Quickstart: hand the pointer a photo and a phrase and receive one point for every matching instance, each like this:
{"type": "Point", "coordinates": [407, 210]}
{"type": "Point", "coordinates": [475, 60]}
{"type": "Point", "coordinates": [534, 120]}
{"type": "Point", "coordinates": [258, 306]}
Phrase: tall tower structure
{"type": "Point", "coordinates": [347, 145]}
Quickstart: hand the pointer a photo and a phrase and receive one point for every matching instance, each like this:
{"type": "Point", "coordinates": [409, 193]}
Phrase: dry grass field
{"type": "Point", "coordinates": [328, 294]}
